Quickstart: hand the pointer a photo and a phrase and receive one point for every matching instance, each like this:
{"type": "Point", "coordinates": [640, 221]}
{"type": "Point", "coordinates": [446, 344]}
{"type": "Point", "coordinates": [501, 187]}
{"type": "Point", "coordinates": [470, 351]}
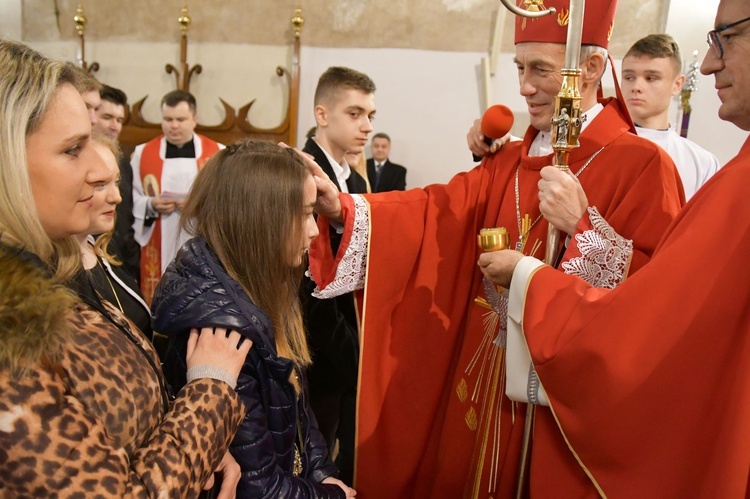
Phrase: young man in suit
{"type": "Point", "coordinates": [344, 107]}
{"type": "Point", "coordinates": [384, 175]}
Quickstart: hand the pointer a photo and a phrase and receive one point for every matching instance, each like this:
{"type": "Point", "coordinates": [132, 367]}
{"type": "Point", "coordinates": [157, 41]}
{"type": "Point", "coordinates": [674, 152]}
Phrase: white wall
{"type": "Point", "coordinates": [10, 19]}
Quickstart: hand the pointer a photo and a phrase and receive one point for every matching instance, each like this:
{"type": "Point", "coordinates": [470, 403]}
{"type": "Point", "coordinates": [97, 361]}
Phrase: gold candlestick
{"type": "Point", "coordinates": [297, 22]}
{"type": "Point", "coordinates": [184, 74]}
{"type": "Point", "coordinates": [81, 21]}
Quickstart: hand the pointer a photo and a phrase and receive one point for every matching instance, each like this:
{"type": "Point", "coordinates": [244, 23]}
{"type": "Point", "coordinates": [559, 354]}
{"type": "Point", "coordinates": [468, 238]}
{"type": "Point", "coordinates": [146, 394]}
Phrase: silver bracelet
{"type": "Point", "coordinates": [213, 372]}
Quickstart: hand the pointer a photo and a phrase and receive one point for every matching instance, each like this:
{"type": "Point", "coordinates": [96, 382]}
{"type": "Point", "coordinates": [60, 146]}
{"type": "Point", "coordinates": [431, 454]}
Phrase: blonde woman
{"type": "Point", "coordinates": [251, 212]}
{"type": "Point", "coordinates": [83, 402]}
{"type": "Point", "coordinates": [104, 276]}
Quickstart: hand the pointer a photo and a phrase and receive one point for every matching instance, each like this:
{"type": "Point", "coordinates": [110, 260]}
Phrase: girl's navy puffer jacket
{"type": "Point", "coordinates": [195, 291]}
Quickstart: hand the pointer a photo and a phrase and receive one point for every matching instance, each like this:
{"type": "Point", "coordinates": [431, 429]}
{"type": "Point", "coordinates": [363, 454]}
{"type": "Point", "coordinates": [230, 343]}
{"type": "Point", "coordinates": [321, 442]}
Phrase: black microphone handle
{"type": "Point", "coordinates": [487, 141]}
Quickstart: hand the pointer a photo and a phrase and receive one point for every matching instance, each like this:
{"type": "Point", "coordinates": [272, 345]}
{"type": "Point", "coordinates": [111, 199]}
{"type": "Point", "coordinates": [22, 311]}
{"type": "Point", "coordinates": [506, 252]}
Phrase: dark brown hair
{"type": "Point", "coordinates": [247, 202]}
{"type": "Point", "coordinates": [174, 97]}
{"type": "Point", "coordinates": [113, 95]}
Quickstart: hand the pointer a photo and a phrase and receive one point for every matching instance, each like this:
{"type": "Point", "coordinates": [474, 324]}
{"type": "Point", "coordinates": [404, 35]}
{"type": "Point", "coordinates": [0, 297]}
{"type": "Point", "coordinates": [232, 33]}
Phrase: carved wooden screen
{"type": "Point", "coordinates": [137, 130]}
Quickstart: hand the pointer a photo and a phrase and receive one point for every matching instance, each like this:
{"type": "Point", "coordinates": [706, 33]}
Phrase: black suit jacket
{"type": "Point", "coordinates": [124, 236]}
{"type": "Point", "coordinates": [355, 183]}
{"type": "Point", "coordinates": [332, 324]}
{"type": "Point", "coordinates": [392, 178]}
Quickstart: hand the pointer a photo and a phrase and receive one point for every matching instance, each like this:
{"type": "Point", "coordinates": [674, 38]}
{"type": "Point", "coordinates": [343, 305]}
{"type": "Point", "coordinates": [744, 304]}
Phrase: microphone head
{"type": "Point", "coordinates": [497, 121]}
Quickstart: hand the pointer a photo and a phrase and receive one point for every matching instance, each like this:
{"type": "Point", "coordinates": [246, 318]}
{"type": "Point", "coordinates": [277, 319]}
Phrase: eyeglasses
{"type": "Point", "coordinates": [713, 40]}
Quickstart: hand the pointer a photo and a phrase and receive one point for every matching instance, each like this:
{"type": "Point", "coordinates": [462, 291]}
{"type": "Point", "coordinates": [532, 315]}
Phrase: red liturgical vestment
{"type": "Point", "coordinates": [650, 382]}
{"type": "Point", "coordinates": [432, 418]}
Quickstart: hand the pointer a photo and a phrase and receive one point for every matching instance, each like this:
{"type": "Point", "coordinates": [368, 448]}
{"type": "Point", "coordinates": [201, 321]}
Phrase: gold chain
{"type": "Point", "coordinates": [298, 467]}
{"type": "Point", "coordinates": [524, 234]}
{"type": "Point", "coordinates": [106, 276]}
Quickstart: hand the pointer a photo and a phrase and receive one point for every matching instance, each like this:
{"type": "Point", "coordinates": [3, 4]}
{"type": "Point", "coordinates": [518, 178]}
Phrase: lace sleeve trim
{"type": "Point", "coordinates": [351, 270]}
{"type": "Point", "coordinates": [605, 255]}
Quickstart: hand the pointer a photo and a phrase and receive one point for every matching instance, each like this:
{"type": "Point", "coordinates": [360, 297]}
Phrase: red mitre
{"type": "Point", "coordinates": [598, 21]}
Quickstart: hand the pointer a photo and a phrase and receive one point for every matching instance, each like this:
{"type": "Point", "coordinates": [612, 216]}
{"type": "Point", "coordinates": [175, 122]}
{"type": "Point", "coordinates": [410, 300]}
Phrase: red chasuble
{"type": "Point", "coordinates": [151, 166]}
{"type": "Point", "coordinates": [650, 382]}
{"type": "Point", "coordinates": [430, 385]}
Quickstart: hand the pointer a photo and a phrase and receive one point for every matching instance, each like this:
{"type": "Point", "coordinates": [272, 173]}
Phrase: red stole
{"type": "Point", "coordinates": [151, 168]}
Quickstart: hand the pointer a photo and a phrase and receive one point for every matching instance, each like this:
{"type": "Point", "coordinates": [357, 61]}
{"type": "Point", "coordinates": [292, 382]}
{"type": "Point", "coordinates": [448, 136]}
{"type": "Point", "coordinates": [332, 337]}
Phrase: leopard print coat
{"type": "Point", "coordinates": [82, 409]}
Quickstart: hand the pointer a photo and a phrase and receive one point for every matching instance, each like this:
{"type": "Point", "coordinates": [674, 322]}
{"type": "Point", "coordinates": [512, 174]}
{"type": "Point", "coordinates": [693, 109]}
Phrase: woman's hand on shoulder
{"type": "Point", "coordinates": [350, 492]}
{"type": "Point", "coordinates": [219, 348]}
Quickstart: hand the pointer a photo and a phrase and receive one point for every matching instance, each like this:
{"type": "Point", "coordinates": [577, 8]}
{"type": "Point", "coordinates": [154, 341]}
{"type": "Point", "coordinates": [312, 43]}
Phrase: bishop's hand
{"type": "Point", "coordinates": [327, 202]}
{"type": "Point", "coordinates": [561, 199]}
{"type": "Point", "coordinates": [498, 266]}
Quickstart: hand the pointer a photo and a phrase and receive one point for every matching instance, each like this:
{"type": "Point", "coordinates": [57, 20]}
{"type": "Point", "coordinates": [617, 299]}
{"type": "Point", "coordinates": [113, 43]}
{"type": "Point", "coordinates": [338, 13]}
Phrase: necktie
{"type": "Point", "coordinates": [378, 173]}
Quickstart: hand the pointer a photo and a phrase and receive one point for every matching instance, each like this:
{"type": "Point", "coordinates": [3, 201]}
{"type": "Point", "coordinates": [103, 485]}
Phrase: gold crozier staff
{"type": "Point", "coordinates": [566, 127]}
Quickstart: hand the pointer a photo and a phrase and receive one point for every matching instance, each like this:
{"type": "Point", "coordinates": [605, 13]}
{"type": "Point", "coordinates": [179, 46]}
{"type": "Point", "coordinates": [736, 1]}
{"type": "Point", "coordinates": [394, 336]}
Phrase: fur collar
{"type": "Point", "coordinates": [34, 312]}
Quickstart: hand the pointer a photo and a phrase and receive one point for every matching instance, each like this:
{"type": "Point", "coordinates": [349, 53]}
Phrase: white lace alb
{"type": "Point", "coordinates": [604, 254]}
{"type": "Point", "coordinates": [352, 269]}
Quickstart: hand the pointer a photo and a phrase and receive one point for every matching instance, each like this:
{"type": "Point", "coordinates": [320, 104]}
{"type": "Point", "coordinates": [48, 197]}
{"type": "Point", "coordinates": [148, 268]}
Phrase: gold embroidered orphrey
{"type": "Point", "coordinates": [482, 385]}
{"type": "Point", "coordinates": [532, 6]}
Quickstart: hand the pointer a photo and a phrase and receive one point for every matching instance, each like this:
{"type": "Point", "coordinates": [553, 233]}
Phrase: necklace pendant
{"type": "Point", "coordinates": [519, 245]}
{"type": "Point", "coordinates": [297, 469]}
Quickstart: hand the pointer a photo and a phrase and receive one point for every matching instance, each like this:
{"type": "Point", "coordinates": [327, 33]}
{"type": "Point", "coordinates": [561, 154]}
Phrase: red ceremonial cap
{"type": "Point", "coordinates": [598, 21]}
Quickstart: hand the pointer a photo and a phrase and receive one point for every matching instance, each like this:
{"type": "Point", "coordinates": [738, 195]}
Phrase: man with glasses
{"type": "Point", "coordinates": [650, 382]}
{"type": "Point", "coordinates": [714, 37]}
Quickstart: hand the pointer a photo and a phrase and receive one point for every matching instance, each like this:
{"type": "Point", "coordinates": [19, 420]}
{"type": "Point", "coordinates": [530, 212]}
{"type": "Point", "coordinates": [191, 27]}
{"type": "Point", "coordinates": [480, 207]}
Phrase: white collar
{"type": "Point", "coordinates": [342, 170]}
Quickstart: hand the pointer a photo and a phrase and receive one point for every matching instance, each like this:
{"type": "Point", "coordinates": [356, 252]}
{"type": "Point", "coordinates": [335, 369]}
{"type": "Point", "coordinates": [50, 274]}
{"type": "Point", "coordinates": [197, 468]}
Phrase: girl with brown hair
{"type": "Point", "coordinates": [251, 212]}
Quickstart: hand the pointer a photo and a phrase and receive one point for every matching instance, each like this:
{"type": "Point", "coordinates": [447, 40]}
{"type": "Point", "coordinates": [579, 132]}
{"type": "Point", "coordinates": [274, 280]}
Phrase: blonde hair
{"type": "Point", "coordinates": [86, 81]}
{"type": "Point", "coordinates": [101, 245]}
{"type": "Point", "coordinates": [28, 83]}
{"type": "Point", "coordinates": [247, 202]}
{"type": "Point", "coordinates": [361, 168]}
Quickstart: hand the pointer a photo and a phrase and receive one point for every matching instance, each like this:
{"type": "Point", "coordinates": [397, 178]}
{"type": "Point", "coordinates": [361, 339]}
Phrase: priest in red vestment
{"type": "Point", "coordinates": [432, 418]}
{"type": "Point", "coordinates": [650, 382]}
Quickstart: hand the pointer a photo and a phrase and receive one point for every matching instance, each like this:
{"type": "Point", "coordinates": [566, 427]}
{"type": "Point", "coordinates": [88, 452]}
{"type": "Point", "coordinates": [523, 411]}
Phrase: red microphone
{"type": "Point", "coordinates": [496, 123]}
